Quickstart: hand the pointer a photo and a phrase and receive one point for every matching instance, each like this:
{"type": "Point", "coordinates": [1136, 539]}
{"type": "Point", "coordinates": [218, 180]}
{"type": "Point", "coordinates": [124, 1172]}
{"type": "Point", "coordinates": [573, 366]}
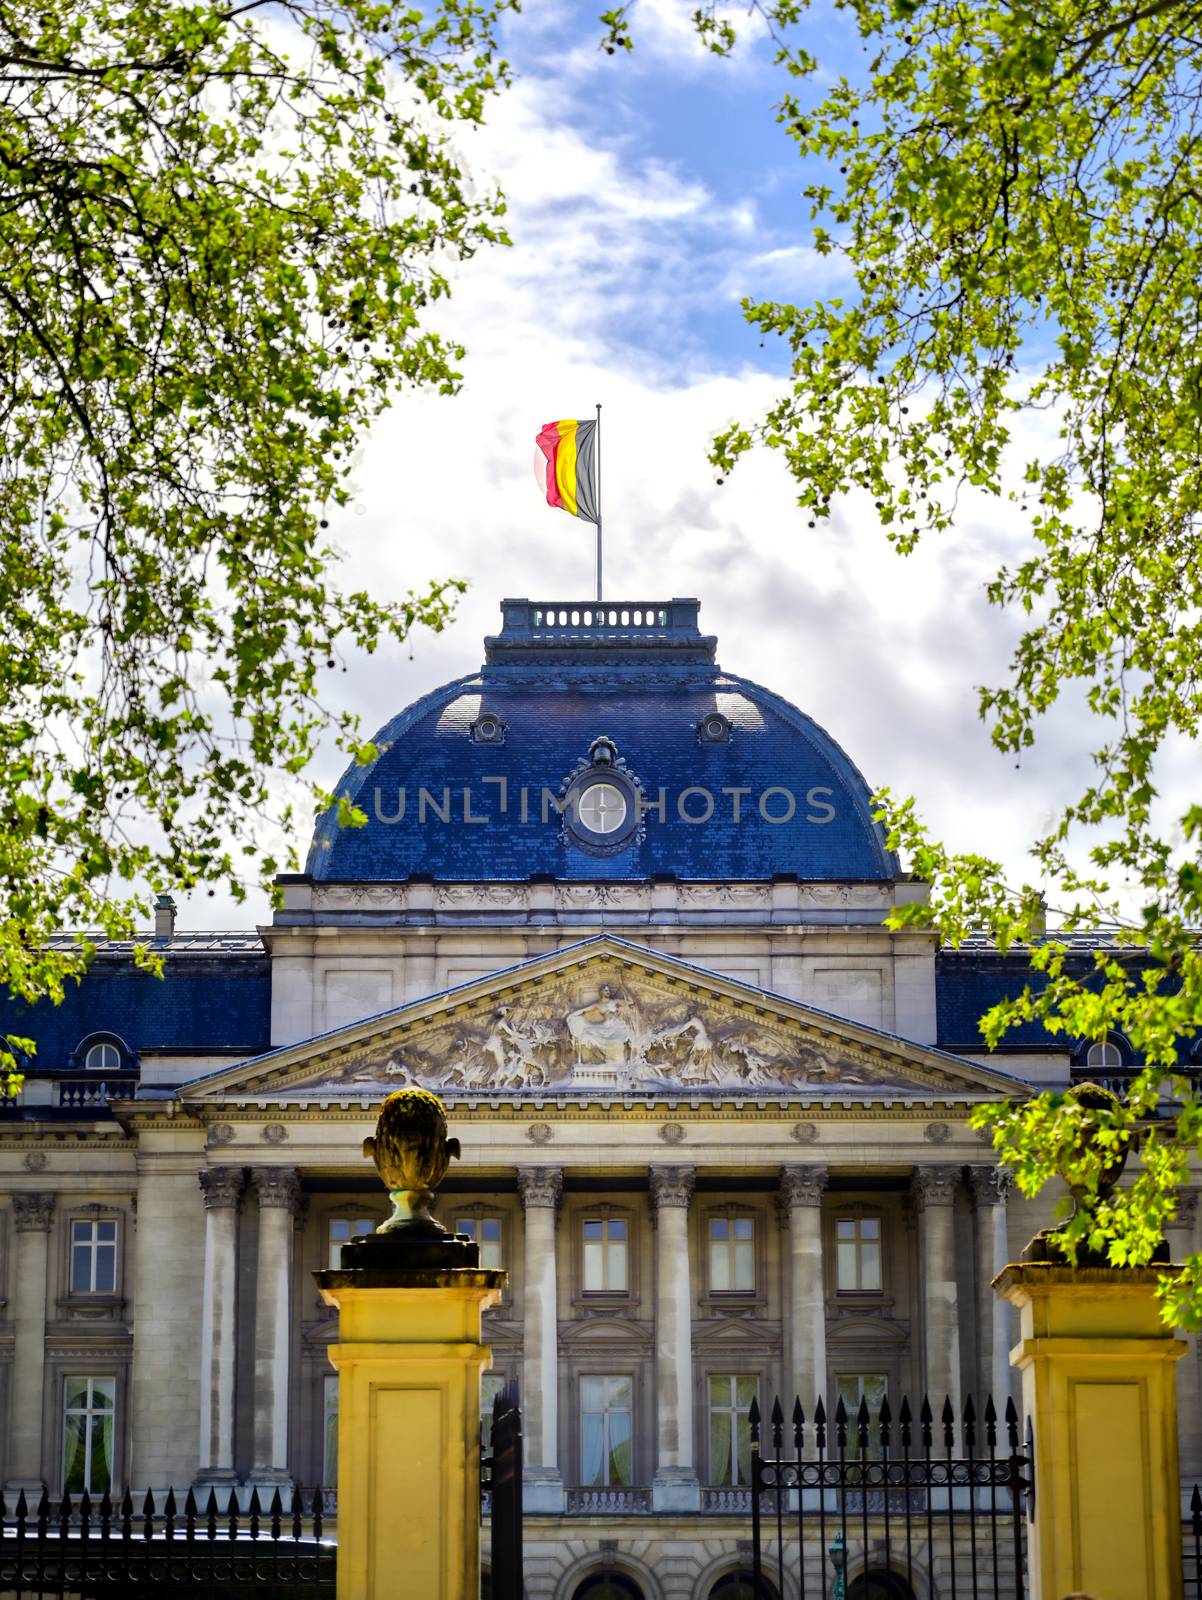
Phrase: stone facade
{"type": "Point", "coordinates": [710, 1126]}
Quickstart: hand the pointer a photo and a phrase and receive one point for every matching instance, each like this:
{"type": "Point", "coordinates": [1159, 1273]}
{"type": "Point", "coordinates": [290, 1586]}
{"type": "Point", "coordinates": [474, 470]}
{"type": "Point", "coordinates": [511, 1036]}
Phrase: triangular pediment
{"type": "Point", "coordinates": [605, 1018]}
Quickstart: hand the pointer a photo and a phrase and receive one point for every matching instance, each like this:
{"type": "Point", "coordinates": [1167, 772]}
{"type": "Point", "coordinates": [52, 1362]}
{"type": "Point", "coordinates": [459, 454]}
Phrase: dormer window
{"type": "Point", "coordinates": [488, 729]}
{"type": "Point", "coordinates": [104, 1056]}
{"type": "Point", "coordinates": [714, 728]}
{"type": "Point", "coordinates": [1106, 1054]}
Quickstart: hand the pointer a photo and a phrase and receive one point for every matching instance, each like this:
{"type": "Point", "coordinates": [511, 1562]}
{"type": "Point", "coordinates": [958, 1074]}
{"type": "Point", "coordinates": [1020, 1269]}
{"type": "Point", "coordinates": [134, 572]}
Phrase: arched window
{"type": "Point", "coordinates": [1105, 1054]}
{"type": "Point", "coordinates": [878, 1583]}
{"type": "Point", "coordinates": [608, 1586]}
{"type": "Point", "coordinates": [103, 1057]}
{"type": "Point", "coordinates": [741, 1586]}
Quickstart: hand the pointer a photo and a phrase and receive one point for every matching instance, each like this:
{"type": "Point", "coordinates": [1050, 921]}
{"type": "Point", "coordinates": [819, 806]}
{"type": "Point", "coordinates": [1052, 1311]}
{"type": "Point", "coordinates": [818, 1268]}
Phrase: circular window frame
{"type": "Point", "coordinates": [577, 831]}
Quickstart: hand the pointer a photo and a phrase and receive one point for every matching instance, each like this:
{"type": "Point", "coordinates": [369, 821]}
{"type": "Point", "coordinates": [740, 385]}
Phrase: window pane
{"type": "Point", "coordinates": [490, 1254]}
{"type": "Point", "coordinates": [75, 1433]}
{"type": "Point", "coordinates": [104, 1392]}
{"type": "Point", "coordinates": [329, 1468]}
{"type": "Point", "coordinates": [592, 1394]}
{"type": "Point", "coordinates": [845, 1228]}
{"type": "Point", "coordinates": [100, 1476]}
{"type": "Point", "coordinates": [617, 1228]}
{"type": "Point", "coordinates": [619, 1447]}
{"type": "Point", "coordinates": [467, 1225]}
{"type": "Point", "coordinates": [365, 1225]}
{"type": "Point", "coordinates": [617, 1266]}
{"type": "Point", "coordinates": [719, 1228]}
{"type": "Point", "coordinates": [593, 1263]}
{"type": "Point", "coordinates": [845, 1256]}
{"type": "Point", "coordinates": [720, 1451]}
{"type": "Point", "coordinates": [719, 1267]}
{"type": "Point", "coordinates": [106, 1269]}
{"type": "Point", "coordinates": [592, 1230]}
{"type": "Point", "coordinates": [744, 1228]}
{"type": "Point", "coordinates": [81, 1269]}
{"type": "Point", "coordinates": [619, 1393]}
{"type": "Point", "coordinates": [592, 1448]}
{"type": "Point", "coordinates": [745, 1391]}
{"type": "Point", "coordinates": [743, 1448]}
{"type": "Point", "coordinates": [106, 1231]}
{"type": "Point", "coordinates": [720, 1391]}
{"type": "Point", "coordinates": [744, 1267]}
{"type": "Point", "coordinates": [76, 1392]}
{"type": "Point", "coordinates": [490, 1230]}
{"type": "Point", "coordinates": [870, 1265]}
{"type": "Point", "coordinates": [870, 1228]}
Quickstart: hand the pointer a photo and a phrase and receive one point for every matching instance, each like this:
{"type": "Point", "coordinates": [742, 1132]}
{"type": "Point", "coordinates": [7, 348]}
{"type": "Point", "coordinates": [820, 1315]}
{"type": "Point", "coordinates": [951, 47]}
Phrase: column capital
{"type": "Point", "coordinates": [221, 1186]}
{"type": "Point", "coordinates": [540, 1187]}
{"type": "Point", "coordinates": [671, 1186]}
{"type": "Point", "coordinates": [990, 1186]}
{"type": "Point", "coordinates": [278, 1188]}
{"type": "Point", "coordinates": [803, 1186]}
{"type": "Point", "coordinates": [1187, 1209]}
{"type": "Point", "coordinates": [935, 1186]}
{"type": "Point", "coordinates": [33, 1213]}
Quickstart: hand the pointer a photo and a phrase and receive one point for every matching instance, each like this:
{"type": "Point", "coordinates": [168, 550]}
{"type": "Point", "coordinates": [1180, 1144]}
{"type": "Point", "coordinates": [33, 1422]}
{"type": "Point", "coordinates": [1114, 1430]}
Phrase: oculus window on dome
{"type": "Point", "coordinates": [488, 729]}
{"type": "Point", "coordinates": [714, 728]}
{"type": "Point", "coordinates": [602, 802]}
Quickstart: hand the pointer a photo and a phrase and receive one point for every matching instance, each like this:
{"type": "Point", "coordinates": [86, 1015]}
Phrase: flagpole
{"type": "Point", "coordinates": [598, 455]}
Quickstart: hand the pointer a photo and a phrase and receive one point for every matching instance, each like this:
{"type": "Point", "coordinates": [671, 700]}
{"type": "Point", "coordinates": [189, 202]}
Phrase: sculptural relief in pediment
{"type": "Point", "coordinates": [611, 1031]}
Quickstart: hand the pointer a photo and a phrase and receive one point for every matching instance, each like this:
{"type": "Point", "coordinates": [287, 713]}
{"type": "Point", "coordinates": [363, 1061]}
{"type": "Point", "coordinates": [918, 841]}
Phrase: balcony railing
{"type": "Point", "coordinates": [609, 1502]}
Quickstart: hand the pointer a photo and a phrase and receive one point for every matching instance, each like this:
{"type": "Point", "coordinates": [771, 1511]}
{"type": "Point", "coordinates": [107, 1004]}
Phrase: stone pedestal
{"type": "Point", "coordinates": [409, 1359]}
{"type": "Point", "coordinates": [1098, 1383]}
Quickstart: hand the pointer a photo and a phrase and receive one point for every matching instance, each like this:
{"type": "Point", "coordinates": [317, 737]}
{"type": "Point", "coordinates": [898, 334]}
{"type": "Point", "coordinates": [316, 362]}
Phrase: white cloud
{"type": "Point", "coordinates": [616, 253]}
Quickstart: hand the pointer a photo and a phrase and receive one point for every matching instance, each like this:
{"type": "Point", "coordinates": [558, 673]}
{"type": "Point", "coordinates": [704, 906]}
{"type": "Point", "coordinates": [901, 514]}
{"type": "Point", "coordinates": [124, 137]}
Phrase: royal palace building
{"type": "Point", "coordinates": [626, 913]}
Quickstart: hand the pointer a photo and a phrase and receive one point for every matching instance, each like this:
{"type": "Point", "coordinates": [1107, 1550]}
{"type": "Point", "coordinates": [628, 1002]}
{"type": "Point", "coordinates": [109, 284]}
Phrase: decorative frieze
{"type": "Point", "coordinates": [672, 1132]}
{"type": "Point", "coordinates": [803, 1186]}
{"type": "Point", "coordinates": [935, 1186]}
{"type": "Point", "coordinates": [671, 1186]}
{"type": "Point", "coordinates": [221, 1186]}
{"type": "Point", "coordinates": [539, 1133]}
{"type": "Point", "coordinates": [275, 1133]}
{"type": "Point", "coordinates": [937, 1132]}
{"type": "Point", "coordinates": [278, 1188]}
{"type": "Point", "coordinates": [33, 1213]}
{"type": "Point", "coordinates": [540, 1187]}
{"type": "Point", "coordinates": [221, 1133]}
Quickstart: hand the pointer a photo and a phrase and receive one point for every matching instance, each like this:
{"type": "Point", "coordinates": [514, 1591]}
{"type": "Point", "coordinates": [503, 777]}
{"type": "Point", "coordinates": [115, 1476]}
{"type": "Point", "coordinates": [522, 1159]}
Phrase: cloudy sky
{"type": "Point", "coordinates": [647, 195]}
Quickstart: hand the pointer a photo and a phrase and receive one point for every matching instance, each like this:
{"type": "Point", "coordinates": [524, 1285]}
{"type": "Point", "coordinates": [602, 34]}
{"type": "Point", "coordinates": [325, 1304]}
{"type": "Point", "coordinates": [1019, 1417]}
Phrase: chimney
{"type": "Point", "coordinates": [164, 917]}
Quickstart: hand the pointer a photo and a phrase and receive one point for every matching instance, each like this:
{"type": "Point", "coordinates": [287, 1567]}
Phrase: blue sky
{"type": "Point", "coordinates": [647, 194]}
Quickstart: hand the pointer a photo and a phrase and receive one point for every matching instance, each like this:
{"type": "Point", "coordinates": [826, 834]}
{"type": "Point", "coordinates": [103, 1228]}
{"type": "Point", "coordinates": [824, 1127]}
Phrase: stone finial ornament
{"type": "Point", "coordinates": [412, 1153]}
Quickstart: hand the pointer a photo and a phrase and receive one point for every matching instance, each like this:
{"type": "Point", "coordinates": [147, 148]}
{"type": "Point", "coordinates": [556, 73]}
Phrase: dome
{"type": "Point", "coordinates": [603, 741]}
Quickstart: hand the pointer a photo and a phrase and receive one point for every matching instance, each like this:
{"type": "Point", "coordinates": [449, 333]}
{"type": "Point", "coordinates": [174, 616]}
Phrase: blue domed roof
{"type": "Point", "coordinates": [603, 742]}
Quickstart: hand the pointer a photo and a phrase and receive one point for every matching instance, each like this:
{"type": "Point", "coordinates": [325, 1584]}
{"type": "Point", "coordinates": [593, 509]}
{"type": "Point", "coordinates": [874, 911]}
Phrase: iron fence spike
{"type": "Point", "coordinates": [970, 1413]}
{"type": "Point", "coordinates": [190, 1505]}
{"type": "Point", "coordinates": [148, 1505]}
{"type": "Point", "coordinates": [127, 1504]}
{"type": "Point", "coordinates": [43, 1506]}
{"type": "Point", "coordinates": [277, 1505]}
{"type": "Point", "coordinates": [1195, 1509]}
{"type": "Point", "coordinates": [211, 1504]}
{"type": "Point", "coordinates": [169, 1504]}
{"type": "Point", "coordinates": [85, 1506]}
{"type": "Point", "coordinates": [819, 1413]}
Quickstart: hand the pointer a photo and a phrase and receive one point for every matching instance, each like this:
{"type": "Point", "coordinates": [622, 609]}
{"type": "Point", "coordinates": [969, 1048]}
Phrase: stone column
{"type": "Point", "coordinates": [989, 1187]}
{"type": "Point", "coordinates": [934, 1197]}
{"type": "Point", "coordinates": [278, 1190]}
{"type": "Point", "coordinates": [541, 1189]}
{"type": "Point", "coordinates": [802, 1189]}
{"type": "Point", "coordinates": [1181, 1236]}
{"type": "Point", "coordinates": [33, 1215]}
{"type": "Point", "coordinates": [222, 1189]}
{"type": "Point", "coordinates": [675, 1486]}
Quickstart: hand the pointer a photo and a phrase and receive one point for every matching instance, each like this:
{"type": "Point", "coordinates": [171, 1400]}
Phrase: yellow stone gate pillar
{"type": "Point", "coordinates": [1098, 1385]}
{"type": "Point", "coordinates": [409, 1357]}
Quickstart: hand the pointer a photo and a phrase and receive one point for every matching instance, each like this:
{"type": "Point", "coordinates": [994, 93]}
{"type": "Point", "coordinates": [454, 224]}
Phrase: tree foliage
{"type": "Point", "coordinates": [1013, 192]}
{"type": "Point", "coordinates": [223, 229]}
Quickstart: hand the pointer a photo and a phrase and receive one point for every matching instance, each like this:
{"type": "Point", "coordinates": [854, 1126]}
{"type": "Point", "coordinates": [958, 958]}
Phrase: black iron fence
{"type": "Point", "coordinates": [501, 1486]}
{"type": "Point", "coordinates": [85, 1548]}
{"type": "Point", "coordinates": [891, 1500]}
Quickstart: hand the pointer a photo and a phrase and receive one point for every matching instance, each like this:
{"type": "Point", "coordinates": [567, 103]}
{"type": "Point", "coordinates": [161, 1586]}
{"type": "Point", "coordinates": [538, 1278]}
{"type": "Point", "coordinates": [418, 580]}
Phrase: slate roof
{"type": "Point", "coordinates": [557, 686]}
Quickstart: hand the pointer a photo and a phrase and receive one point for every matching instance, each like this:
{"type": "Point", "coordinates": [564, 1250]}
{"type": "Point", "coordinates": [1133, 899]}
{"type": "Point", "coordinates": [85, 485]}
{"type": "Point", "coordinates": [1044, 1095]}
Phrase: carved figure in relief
{"type": "Point", "coordinates": [601, 1031]}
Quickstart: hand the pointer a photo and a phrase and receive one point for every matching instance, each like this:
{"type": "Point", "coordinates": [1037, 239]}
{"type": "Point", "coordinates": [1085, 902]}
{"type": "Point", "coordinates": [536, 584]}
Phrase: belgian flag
{"type": "Point", "coordinates": [565, 464]}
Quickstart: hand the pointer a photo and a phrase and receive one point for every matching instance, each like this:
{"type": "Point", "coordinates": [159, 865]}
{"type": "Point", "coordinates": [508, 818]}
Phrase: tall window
{"type": "Point", "coordinates": [88, 1408]}
{"type": "Point", "coordinates": [732, 1255]}
{"type": "Point", "coordinates": [329, 1432]}
{"type": "Point", "coordinates": [605, 1263]}
{"type": "Point", "coordinates": [93, 1257]}
{"type": "Point", "coordinates": [851, 1388]}
{"type": "Point", "coordinates": [730, 1398]}
{"type": "Point", "coordinates": [858, 1254]}
{"type": "Point", "coordinates": [343, 1230]}
{"type": "Point", "coordinates": [486, 1231]}
{"type": "Point", "coordinates": [604, 1431]}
